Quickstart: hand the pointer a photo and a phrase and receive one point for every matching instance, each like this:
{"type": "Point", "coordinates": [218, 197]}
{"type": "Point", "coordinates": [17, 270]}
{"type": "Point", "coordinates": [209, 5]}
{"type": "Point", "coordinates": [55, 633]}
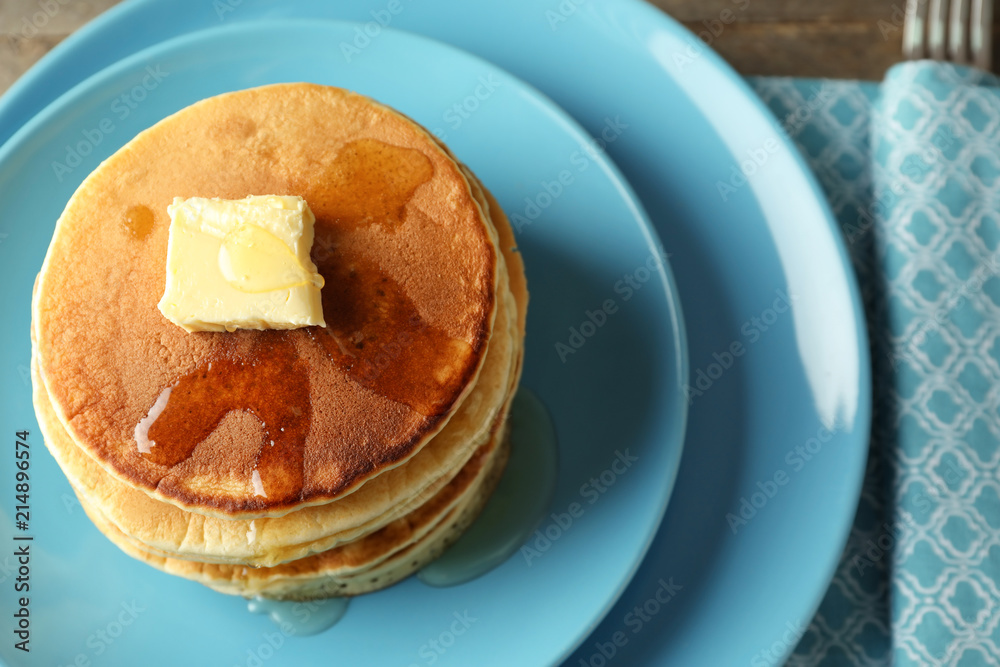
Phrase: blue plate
{"type": "Point", "coordinates": [691, 121]}
{"type": "Point", "coordinates": [603, 314]}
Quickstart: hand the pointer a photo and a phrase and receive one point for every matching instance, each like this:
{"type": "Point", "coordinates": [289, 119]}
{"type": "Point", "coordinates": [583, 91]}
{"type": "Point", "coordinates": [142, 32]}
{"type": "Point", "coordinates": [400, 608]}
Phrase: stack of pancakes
{"type": "Point", "coordinates": [295, 464]}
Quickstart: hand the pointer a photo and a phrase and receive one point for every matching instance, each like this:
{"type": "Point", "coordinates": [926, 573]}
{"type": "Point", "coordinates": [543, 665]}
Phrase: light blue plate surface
{"type": "Point", "coordinates": [691, 121]}
{"type": "Point", "coordinates": [593, 234]}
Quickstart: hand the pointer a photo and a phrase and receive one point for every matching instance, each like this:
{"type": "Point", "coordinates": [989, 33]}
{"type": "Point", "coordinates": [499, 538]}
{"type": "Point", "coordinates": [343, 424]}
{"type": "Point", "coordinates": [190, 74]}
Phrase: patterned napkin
{"type": "Point", "coordinates": [911, 168]}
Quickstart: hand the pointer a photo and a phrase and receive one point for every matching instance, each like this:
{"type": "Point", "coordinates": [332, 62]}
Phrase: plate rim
{"type": "Point", "coordinates": [678, 345]}
{"type": "Point", "coordinates": [125, 11]}
{"type": "Point", "coordinates": [865, 395]}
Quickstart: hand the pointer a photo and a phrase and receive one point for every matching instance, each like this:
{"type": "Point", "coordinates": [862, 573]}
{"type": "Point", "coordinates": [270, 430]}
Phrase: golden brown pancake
{"type": "Point", "coordinates": [373, 562]}
{"type": "Point", "coordinates": [348, 521]}
{"type": "Point", "coordinates": [169, 530]}
{"type": "Point", "coordinates": [410, 264]}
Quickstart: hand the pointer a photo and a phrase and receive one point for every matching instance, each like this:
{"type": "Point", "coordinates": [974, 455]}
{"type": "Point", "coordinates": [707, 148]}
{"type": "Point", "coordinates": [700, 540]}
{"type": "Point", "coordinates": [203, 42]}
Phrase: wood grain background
{"type": "Point", "coordinates": [856, 39]}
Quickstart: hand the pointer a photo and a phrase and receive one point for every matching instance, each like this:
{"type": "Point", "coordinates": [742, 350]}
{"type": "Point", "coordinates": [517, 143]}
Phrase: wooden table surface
{"type": "Point", "coordinates": [855, 39]}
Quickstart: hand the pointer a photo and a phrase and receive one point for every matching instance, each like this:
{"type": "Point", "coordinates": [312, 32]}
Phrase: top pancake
{"type": "Point", "coordinates": [410, 264]}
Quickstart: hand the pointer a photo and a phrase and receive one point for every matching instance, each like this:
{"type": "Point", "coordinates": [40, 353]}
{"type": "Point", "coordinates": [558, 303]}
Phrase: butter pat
{"type": "Point", "coordinates": [241, 264]}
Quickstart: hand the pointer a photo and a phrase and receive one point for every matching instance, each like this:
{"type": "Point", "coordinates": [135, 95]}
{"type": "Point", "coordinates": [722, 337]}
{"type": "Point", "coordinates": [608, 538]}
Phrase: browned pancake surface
{"type": "Point", "coordinates": [410, 270]}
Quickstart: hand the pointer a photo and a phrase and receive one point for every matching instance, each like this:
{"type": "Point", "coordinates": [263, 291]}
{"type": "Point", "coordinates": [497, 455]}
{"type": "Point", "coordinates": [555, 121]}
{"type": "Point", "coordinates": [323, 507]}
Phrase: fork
{"type": "Point", "coordinates": [957, 30]}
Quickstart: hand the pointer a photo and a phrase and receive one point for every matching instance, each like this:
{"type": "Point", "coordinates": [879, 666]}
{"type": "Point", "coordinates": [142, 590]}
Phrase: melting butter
{"type": "Point", "coordinates": [254, 261]}
{"type": "Point", "coordinates": [241, 264]}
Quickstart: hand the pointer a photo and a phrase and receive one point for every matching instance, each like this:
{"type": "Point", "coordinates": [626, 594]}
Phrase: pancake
{"type": "Point", "coordinates": [348, 456]}
{"type": "Point", "coordinates": [166, 529]}
{"type": "Point", "coordinates": [374, 562]}
{"type": "Point", "coordinates": [409, 259]}
{"type": "Point", "coordinates": [517, 281]}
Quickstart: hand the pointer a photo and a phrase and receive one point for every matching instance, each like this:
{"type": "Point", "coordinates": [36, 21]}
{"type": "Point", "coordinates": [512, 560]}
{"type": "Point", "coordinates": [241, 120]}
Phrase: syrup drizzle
{"type": "Point", "coordinates": [374, 334]}
{"type": "Point", "coordinates": [371, 182]}
{"type": "Point", "coordinates": [374, 331]}
{"type": "Point", "coordinates": [271, 386]}
{"type": "Point", "coordinates": [304, 618]}
{"type": "Point", "coordinates": [510, 517]}
{"type": "Point", "coordinates": [138, 221]}
{"type": "Point", "coordinates": [517, 505]}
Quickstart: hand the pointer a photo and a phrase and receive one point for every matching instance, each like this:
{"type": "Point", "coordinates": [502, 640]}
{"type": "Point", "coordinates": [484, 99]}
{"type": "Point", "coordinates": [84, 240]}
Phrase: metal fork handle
{"type": "Point", "coordinates": [960, 31]}
{"type": "Point", "coordinates": [981, 39]}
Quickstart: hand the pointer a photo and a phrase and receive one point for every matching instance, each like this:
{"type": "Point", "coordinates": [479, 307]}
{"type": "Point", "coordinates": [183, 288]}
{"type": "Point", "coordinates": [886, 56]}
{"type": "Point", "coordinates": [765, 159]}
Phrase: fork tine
{"type": "Point", "coordinates": [958, 32]}
{"type": "Point", "coordinates": [914, 46]}
{"type": "Point", "coordinates": [981, 34]}
{"type": "Point", "coordinates": [936, 24]}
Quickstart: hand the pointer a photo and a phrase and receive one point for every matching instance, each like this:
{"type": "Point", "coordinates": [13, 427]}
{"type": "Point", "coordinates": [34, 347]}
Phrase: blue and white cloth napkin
{"type": "Point", "coordinates": [911, 168]}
